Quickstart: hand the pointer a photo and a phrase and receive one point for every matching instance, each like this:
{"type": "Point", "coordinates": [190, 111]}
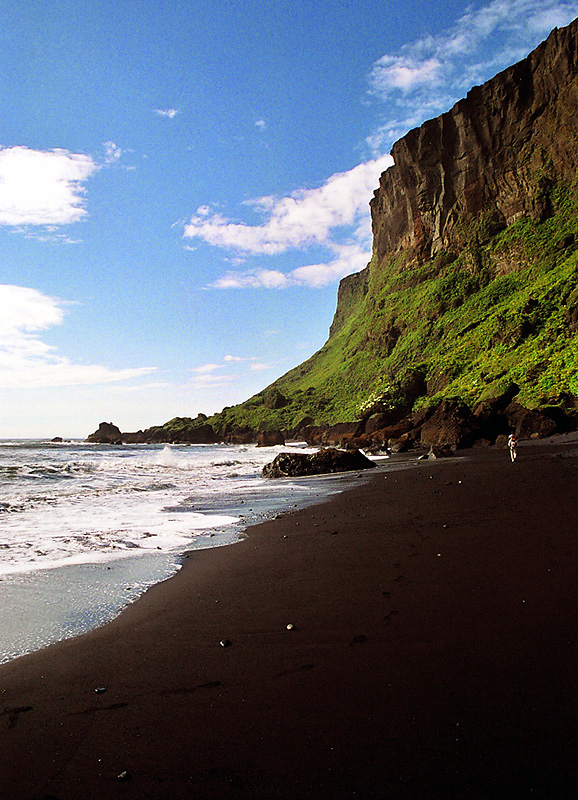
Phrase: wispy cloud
{"type": "Point", "coordinates": [112, 153]}
{"type": "Point", "coordinates": [306, 217]}
{"type": "Point", "coordinates": [259, 366]}
{"type": "Point", "coordinates": [212, 381]}
{"type": "Point", "coordinates": [229, 359]}
{"type": "Point", "coordinates": [28, 362]}
{"type": "Point", "coordinates": [349, 258]}
{"type": "Point", "coordinates": [211, 376]}
{"type": "Point", "coordinates": [207, 369]}
{"type": "Point", "coordinates": [168, 113]}
{"type": "Point", "coordinates": [43, 187]}
{"type": "Point", "coordinates": [427, 76]}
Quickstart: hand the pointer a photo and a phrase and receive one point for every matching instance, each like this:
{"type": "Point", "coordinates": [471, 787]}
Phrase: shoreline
{"type": "Point", "coordinates": [433, 654]}
{"type": "Point", "coordinates": [45, 604]}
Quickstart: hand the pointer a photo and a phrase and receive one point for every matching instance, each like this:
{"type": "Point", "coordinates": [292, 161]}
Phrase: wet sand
{"type": "Point", "coordinates": [434, 654]}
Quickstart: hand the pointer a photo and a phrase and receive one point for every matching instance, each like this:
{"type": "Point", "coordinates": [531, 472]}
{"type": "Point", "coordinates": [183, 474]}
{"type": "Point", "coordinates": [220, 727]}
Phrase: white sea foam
{"type": "Point", "coordinates": [85, 504]}
{"type": "Point", "coordinates": [85, 529]}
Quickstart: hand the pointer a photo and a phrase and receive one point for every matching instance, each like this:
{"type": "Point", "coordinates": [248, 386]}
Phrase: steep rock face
{"type": "Point", "coordinates": [352, 290]}
{"type": "Point", "coordinates": [492, 153]}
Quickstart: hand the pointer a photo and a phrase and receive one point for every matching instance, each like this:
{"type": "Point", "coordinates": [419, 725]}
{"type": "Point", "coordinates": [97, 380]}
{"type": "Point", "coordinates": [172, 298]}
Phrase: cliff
{"type": "Point", "coordinates": [464, 324]}
{"type": "Point", "coordinates": [495, 152]}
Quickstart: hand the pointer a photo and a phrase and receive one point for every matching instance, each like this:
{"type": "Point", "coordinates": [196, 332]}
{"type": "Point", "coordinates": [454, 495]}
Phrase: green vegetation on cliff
{"type": "Point", "coordinates": [472, 293]}
{"type": "Point", "coordinates": [503, 309]}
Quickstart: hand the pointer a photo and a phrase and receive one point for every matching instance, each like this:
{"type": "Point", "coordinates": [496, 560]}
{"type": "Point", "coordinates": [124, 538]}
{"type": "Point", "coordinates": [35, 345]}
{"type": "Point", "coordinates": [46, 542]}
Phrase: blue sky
{"type": "Point", "coordinates": [183, 184]}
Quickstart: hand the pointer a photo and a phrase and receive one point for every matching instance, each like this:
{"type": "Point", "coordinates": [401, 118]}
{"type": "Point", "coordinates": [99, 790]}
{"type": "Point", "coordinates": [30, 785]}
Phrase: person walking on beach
{"type": "Point", "coordinates": [513, 447]}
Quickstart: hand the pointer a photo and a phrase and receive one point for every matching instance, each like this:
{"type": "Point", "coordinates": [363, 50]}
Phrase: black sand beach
{"type": "Point", "coordinates": [434, 654]}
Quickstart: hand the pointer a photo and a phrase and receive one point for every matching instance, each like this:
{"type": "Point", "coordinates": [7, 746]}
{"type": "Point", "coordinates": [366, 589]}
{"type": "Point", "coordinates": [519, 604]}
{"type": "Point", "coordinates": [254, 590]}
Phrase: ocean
{"type": "Point", "coordinates": [85, 529]}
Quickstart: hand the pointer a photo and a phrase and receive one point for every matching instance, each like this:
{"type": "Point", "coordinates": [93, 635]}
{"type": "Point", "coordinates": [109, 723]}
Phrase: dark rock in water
{"type": "Point", "coordinates": [136, 437]}
{"type": "Point", "coordinates": [355, 442]}
{"type": "Point", "coordinates": [270, 439]}
{"type": "Point", "coordinates": [180, 430]}
{"type": "Point", "coordinates": [203, 434]}
{"type": "Point", "coordinates": [107, 433]}
{"type": "Point", "coordinates": [56, 439]}
{"type": "Point", "coordinates": [294, 465]}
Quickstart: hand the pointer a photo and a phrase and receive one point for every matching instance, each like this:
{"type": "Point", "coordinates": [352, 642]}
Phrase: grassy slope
{"type": "Point", "coordinates": [498, 313]}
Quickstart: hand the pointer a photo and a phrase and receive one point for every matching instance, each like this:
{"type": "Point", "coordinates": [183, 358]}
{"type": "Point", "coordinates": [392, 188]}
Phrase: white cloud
{"type": "Point", "coordinates": [406, 72]}
{"type": "Point", "coordinates": [261, 124]}
{"type": "Point", "coordinates": [349, 258]}
{"type": "Point", "coordinates": [306, 217]}
{"type": "Point", "coordinates": [168, 113]}
{"type": "Point", "coordinates": [25, 310]}
{"type": "Point", "coordinates": [427, 76]}
{"type": "Point", "coordinates": [112, 153]}
{"type": "Point", "coordinates": [28, 362]}
{"type": "Point", "coordinates": [42, 187]}
{"type": "Point", "coordinates": [237, 359]}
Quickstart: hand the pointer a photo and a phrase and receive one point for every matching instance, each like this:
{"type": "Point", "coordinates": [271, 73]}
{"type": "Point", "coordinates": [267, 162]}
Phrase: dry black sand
{"type": "Point", "coordinates": [434, 655]}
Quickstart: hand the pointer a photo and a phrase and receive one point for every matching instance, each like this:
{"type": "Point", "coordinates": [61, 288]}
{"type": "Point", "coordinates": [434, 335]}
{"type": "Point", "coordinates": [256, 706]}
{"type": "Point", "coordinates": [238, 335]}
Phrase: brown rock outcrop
{"type": "Point", "coordinates": [240, 436]}
{"type": "Point", "coordinates": [451, 424]}
{"type": "Point", "coordinates": [332, 435]}
{"type": "Point", "coordinates": [270, 438]}
{"type": "Point", "coordinates": [537, 423]}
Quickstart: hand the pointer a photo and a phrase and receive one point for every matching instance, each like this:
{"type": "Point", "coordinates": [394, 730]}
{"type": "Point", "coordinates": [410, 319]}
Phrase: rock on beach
{"type": "Point", "coordinates": [326, 461]}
